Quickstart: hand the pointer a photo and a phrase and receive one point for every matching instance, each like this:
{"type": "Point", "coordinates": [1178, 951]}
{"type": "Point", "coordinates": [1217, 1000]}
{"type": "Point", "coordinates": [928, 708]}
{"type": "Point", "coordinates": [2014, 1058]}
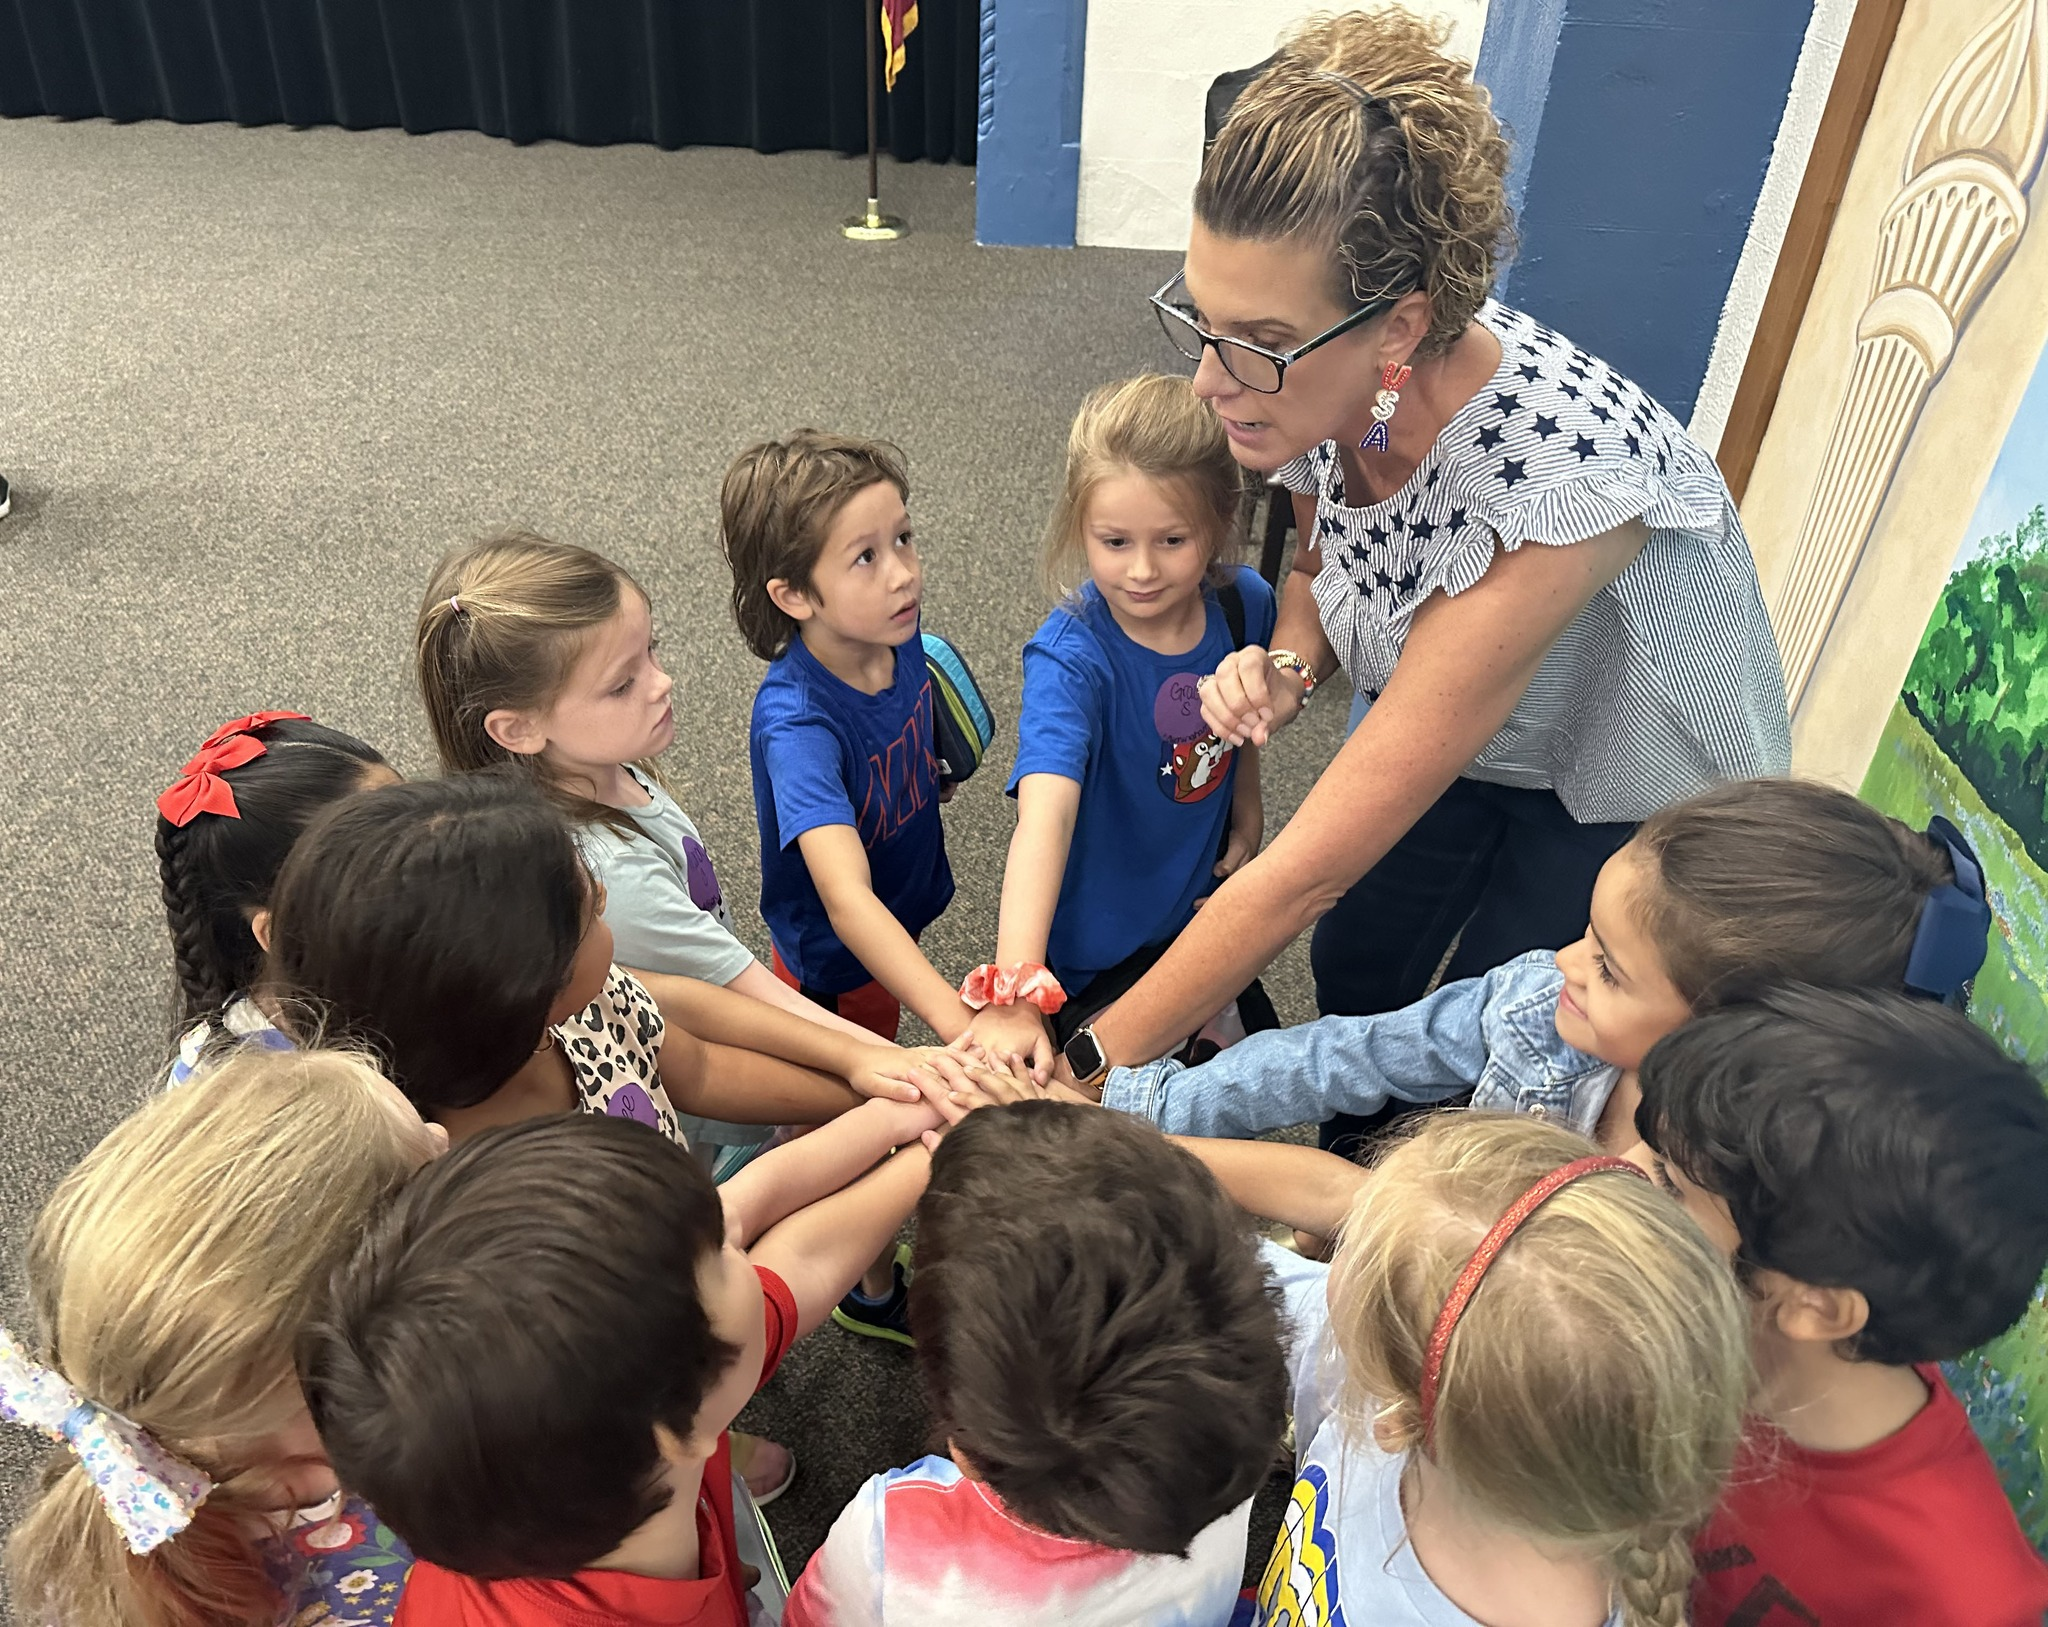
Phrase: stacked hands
{"type": "Point", "coordinates": [938, 1086]}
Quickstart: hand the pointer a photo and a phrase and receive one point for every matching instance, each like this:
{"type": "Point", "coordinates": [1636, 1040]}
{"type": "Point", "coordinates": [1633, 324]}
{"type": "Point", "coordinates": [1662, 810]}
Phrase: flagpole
{"type": "Point", "coordinates": [874, 226]}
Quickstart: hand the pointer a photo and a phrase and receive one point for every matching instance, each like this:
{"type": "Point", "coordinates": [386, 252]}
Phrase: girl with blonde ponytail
{"type": "Point", "coordinates": [1518, 1389]}
{"type": "Point", "coordinates": [169, 1276]}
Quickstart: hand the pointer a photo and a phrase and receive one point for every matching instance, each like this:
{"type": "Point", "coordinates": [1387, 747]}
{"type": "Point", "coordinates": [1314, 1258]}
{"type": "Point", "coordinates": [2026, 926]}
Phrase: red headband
{"type": "Point", "coordinates": [1483, 1256]}
{"type": "Point", "coordinates": [199, 787]}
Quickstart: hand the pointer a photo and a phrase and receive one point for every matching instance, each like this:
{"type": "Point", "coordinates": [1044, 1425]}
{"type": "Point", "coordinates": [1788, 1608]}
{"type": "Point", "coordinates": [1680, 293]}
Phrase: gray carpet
{"type": "Point", "coordinates": [253, 381]}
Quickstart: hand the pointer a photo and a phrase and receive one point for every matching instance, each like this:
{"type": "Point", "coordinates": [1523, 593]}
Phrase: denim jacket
{"type": "Point", "coordinates": [1495, 1036]}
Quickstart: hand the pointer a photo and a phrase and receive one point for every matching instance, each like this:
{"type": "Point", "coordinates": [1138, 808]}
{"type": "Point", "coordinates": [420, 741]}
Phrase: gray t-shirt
{"type": "Point", "coordinates": [667, 914]}
{"type": "Point", "coordinates": [663, 904]}
{"type": "Point", "coordinates": [1342, 1558]}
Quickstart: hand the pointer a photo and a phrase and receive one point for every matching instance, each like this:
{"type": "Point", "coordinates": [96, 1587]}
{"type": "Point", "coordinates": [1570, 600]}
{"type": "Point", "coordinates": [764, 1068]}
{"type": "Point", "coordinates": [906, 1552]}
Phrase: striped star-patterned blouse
{"type": "Point", "coordinates": [1669, 679]}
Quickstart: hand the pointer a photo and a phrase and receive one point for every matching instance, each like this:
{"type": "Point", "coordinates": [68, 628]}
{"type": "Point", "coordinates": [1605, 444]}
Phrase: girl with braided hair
{"type": "Point", "coordinates": [1518, 1389]}
{"type": "Point", "coordinates": [223, 830]}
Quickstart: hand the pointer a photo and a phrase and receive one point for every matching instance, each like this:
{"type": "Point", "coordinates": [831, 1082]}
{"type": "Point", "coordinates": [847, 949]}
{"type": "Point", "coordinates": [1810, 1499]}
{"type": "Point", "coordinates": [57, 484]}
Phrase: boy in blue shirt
{"type": "Point", "coordinates": [826, 589]}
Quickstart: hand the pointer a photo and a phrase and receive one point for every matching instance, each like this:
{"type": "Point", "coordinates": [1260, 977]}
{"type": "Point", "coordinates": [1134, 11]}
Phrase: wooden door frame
{"type": "Point", "coordinates": [1872, 28]}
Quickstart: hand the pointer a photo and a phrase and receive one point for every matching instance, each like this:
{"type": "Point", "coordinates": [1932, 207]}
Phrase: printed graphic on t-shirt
{"type": "Point", "coordinates": [1192, 762]}
{"type": "Point", "coordinates": [701, 879]}
{"type": "Point", "coordinates": [1768, 1603]}
{"type": "Point", "coordinates": [902, 781]}
{"type": "Point", "coordinates": [1299, 1588]}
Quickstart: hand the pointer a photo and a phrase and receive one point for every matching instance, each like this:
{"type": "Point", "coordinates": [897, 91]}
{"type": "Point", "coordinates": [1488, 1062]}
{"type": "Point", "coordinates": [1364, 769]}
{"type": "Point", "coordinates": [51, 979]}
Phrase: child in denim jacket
{"type": "Point", "coordinates": [1750, 884]}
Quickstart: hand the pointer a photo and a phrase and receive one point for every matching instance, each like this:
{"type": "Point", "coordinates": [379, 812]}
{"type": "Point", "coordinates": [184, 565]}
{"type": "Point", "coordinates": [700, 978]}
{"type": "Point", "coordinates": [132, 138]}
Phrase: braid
{"type": "Point", "coordinates": [202, 980]}
{"type": "Point", "coordinates": [1654, 1577]}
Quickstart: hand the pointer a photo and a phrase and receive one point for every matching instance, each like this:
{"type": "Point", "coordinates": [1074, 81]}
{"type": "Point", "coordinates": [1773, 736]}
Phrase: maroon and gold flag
{"type": "Point", "coordinates": [899, 18]}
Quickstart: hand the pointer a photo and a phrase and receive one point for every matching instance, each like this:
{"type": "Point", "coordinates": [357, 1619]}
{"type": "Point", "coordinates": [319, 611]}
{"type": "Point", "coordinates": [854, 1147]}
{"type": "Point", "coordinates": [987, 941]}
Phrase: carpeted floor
{"type": "Point", "coordinates": [253, 381]}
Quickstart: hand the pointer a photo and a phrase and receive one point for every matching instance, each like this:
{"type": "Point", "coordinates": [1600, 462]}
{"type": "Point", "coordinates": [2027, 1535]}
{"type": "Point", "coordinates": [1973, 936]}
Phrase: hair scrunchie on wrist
{"type": "Point", "coordinates": [1026, 983]}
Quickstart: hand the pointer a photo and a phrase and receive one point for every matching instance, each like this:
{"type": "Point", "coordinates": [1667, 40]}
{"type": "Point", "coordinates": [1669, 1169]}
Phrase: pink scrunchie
{"type": "Point", "coordinates": [1026, 983]}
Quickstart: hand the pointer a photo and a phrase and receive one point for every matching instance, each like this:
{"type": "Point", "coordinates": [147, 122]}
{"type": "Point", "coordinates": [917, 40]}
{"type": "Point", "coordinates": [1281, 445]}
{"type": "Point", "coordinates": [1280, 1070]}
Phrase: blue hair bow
{"type": "Point", "coordinates": [1955, 924]}
{"type": "Point", "coordinates": [149, 1494]}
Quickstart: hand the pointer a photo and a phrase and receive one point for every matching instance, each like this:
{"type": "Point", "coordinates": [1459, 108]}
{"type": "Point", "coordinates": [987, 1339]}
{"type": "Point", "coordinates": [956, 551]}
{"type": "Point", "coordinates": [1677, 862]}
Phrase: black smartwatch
{"type": "Point", "coordinates": [1084, 1055]}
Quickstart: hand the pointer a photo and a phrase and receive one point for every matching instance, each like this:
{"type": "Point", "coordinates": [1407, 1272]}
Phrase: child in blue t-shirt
{"type": "Point", "coordinates": [826, 589]}
{"type": "Point", "coordinates": [1129, 811]}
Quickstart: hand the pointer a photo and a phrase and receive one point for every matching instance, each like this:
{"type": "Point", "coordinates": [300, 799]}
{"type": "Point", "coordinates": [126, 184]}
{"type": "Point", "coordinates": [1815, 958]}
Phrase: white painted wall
{"type": "Point", "coordinates": [1811, 80]}
{"type": "Point", "coordinates": [1149, 65]}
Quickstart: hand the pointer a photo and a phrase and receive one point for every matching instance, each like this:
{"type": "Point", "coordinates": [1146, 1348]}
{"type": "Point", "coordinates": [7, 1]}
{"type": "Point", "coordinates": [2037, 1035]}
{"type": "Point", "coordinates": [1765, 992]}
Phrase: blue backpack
{"type": "Point", "coordinates": [962, 725]}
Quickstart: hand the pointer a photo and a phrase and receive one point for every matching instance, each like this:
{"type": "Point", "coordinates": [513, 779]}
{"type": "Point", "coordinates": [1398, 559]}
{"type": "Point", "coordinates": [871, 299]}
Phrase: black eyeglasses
{"type": "Point", "coordinates": [1253, 366]}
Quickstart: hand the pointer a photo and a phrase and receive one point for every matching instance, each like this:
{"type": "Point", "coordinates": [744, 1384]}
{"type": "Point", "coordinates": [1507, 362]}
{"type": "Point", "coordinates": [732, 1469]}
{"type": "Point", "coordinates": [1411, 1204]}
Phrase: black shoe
{"type": "Point", "coordinates": [6, 498]}
{"type": "Point", "coordinates": [885, 1318]}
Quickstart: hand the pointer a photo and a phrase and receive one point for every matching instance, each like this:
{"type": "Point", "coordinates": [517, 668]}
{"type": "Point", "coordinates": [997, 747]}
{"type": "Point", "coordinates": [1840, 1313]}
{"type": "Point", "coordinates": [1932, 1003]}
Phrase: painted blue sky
{"type": "Point", "coordinates": [2019, 479]}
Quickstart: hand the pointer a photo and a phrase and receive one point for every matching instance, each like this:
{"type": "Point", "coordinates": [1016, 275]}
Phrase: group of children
{"type": "Point", "coordinates": [382, 1312]}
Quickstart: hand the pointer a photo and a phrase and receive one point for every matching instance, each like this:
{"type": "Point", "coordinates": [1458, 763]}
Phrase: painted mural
{"type": "Point", "coordinates": [1968, 738]}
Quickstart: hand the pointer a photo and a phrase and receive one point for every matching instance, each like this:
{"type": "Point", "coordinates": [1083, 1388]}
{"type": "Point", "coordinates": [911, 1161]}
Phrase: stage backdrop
{"type": "Point", "coordinates": [766, 74]}
{"type": "Point", "coordinates": [1968, 738]}
{"type": "Point", "coordinates": [1897, 514]}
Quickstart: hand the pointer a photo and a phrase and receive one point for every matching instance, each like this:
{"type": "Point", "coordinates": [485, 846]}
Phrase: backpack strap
{"type": "Point", "coordinates": [1231, 601]}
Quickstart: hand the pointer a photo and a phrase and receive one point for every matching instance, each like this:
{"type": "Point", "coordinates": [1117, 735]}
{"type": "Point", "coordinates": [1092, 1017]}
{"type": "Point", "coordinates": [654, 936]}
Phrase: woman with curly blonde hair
{"type": "Point", "coordinates": [1530, 573]}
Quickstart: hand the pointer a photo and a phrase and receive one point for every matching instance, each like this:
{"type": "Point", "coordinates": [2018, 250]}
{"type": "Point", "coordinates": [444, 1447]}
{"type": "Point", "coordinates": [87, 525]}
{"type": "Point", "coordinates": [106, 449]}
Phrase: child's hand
{"type": "Point", "coordinates": [971, 1085]}
{"type": "Point", "coordinates": [891, 1075]}
{"type": "Point", "coordinates": [904, 1122]}
{"type": "Point", "coordinates": [1241, 846]}
{"type": "Point", "coordinates": [1017, 1030]}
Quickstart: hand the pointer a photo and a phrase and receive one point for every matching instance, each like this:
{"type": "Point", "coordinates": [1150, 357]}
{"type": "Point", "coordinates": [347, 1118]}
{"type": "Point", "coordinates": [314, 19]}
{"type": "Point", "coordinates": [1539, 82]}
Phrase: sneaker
{"type": "Point", "coordinates": [764, 1467]}
{"type": "Point", "coordinates": [6, 497]}
{"type": "Point", "coordinates": [887, 1318]}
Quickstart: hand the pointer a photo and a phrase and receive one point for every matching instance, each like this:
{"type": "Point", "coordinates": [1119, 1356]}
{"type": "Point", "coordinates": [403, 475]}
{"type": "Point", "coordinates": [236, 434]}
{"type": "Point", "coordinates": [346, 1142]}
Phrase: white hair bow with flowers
{"type": "Point", "coordinates": [148, 1494]}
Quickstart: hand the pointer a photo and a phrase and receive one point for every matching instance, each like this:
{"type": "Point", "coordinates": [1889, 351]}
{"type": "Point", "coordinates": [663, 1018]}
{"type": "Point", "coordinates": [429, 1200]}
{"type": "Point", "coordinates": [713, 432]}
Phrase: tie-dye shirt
{"type": "Point", "coordinates": [927, 1547]}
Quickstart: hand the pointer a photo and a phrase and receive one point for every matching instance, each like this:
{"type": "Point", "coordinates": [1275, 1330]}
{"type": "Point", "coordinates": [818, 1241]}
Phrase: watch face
{"type": "Point", "coordinates": [1083, 1055]}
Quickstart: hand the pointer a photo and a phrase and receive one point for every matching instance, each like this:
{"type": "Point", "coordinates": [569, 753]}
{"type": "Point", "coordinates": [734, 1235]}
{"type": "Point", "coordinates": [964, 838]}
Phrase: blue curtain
{"type": "Point", "coordinates": [767, 74]}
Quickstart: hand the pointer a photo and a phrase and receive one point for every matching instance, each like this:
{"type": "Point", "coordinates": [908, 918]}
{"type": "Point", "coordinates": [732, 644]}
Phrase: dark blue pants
{"type": "Point", "coordinates": [1509, 866]}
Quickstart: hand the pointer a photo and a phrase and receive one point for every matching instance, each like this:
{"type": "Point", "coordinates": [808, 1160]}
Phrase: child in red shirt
{"type": "Point", "coordinates": [532, 1363]}
{"type": "Point", "coordinates": [1874, 1164]}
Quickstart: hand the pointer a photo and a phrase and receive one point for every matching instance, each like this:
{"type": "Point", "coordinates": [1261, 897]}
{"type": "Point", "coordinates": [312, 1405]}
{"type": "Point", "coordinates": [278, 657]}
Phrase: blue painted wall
{"type": "Point", "coordinates": [1652, 128]}
{"type": "Point", "coordinates": [1027, 165]}
{"type": "Point", "coordinates": [1515, 60]}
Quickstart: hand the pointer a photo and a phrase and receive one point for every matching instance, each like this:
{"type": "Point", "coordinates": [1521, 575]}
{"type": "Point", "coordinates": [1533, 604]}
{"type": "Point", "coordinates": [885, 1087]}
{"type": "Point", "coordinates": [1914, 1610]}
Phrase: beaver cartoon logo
{"type": "Point", "coordinates": [1193, 763]}
{"type": "Point", "coordinates": [1299, 1588]}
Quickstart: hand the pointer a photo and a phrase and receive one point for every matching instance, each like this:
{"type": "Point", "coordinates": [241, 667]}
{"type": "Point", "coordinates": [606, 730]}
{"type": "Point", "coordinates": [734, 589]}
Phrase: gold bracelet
{"type": "Point", "coordinates": [1288, 661]}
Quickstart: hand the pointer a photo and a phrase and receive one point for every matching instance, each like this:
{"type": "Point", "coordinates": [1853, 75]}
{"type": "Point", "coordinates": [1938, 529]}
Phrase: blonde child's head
{"type": "Point", "coordinates": [1749, 885]}
{"type": "Point", "coordinates": [170, 1275]}
{"type": "Point", "coordinates": [776, 510]}
{"type": "Point", "coordinates": [541, 654]}
{"type": "Point", "coordinates": [1591, 1397]}
{"type": "Point", "coordinates": [1156, 429]}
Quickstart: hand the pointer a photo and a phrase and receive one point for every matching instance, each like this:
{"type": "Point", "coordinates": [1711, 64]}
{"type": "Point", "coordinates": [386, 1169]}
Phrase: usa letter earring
{"type": "Point", "coordinates": [1392, 377]}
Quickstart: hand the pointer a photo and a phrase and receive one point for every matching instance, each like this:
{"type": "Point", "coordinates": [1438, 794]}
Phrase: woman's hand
{"type": "Point", "coordinates": [1002, 1032]}
{"type": "Point", "coordinates": [1247, 700]}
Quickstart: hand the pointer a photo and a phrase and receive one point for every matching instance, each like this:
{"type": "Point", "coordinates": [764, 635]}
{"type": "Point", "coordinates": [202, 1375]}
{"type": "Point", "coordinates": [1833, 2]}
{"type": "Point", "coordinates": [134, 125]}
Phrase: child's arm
{"type": "Point", "coordinates": [784, 1179]}
{"type": "Point", "coordinates": [870, 1064]}
{"type": "Point", "coordinates": [821, 1251]}
{"type": "Point", "coordinates": [1303, 1187]}
{"type": "Point", "coordinates": [1247, 816]}
{"type": "Point", "coordinates": [839, 870]}
{"type": "Point", "coordinates": [745, 1087]}
{"type": "Point", "coordinates": [758, 983]}
{"type": "Point", "coordinates": [1047, 805]}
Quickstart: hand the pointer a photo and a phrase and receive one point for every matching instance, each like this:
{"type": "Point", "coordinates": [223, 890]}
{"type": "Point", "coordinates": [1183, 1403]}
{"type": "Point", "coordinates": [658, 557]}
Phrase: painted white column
{"type": "Point", "coordinates": [1149, 65]}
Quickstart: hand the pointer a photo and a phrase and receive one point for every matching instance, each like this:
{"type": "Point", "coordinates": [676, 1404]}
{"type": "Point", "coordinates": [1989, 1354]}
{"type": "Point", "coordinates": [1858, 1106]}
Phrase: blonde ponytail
{"type": "Point", "coordinates": [1593, 1395]}
{"type": "Point", "coordinates": [170, 1274]}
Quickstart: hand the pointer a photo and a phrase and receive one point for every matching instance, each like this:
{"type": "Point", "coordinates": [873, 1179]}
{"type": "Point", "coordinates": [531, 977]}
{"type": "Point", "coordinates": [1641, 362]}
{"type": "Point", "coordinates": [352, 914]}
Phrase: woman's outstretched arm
{"type": "Point", "coordinates": [1466, 662]}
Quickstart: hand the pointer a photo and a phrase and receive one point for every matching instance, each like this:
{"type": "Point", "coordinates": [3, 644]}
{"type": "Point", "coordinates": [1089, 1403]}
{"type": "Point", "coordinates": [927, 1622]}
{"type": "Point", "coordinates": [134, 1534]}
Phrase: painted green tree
{"type": "Point", "coordinates": [1979, 685]}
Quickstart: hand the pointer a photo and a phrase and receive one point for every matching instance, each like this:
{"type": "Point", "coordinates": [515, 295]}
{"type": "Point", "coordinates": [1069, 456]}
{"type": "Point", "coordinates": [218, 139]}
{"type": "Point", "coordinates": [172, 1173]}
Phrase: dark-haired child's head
{"type": "Point", "coordinates": [218, 868]}
{"type": "Point", "coordinates": [814, 528]}
{"type": "Point", "coordinates": [1876, 1161]}
{"type": "Point", "coordinates": [442, 924]}
{"type": "Point", "coordinates": [1747, 886]}
{"type": "Point", "coordinates": [529, 1344]}
{"type": "Point", "coordinates": [1094, 1327]}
